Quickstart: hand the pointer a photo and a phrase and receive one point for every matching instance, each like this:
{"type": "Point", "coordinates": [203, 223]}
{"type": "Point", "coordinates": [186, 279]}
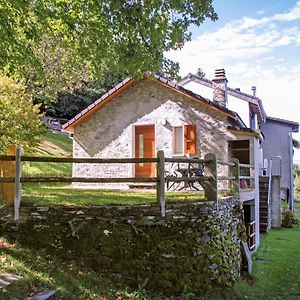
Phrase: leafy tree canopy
{"type": "Point", "coordinates": [68, 104]}
{"type": "Point", "coordinates": [19, 119]}
{"type": "Point", "coordinates": [296, 144]}
{"type": "Point", "coordinates": [128, 36]}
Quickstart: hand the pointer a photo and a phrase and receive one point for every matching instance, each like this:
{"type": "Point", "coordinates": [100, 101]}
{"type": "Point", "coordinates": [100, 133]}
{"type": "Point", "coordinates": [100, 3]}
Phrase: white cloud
{"type": "Point", "coordinates": [291, 15]}
{"type": "Point", "coordinates": [253, 51]}
{"type": "Point", "coordinates": [240, 42]}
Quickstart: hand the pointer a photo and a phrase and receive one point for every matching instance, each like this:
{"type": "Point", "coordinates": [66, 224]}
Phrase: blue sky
{"type": "Point", "coordinates": [257, 43]}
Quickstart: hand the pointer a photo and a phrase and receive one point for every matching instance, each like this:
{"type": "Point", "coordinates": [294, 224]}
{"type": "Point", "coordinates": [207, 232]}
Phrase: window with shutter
{"type": "Point", "coordinates": [184, 139]}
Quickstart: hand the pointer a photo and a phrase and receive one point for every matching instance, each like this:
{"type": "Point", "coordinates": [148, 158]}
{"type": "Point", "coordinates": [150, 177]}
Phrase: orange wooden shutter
{"type": "Point", "coordinates": [190, 139]}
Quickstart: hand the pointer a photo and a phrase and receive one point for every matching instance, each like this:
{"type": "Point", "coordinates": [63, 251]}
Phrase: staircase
{"type": "Point", "coordinates": [264, 210]}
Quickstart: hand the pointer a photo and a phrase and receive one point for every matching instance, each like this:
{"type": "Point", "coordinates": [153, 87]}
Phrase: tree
{"type": "Point", "coordinates": [57, 73]}
{"type": "Point", "coordinates": [20, 122]}
{"type": "Point", "coordinates": [200, 73]}
{"type": "Point", "coordinates": [296, 144]}
{"type": "Point", "coordinates": [68, 104]}
{"type": "Point", "coordinates": [127, 36]}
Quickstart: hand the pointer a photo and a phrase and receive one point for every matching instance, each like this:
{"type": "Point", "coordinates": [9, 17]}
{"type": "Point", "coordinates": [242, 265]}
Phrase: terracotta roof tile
{"type": "Point", "coordinates": [159, 78]}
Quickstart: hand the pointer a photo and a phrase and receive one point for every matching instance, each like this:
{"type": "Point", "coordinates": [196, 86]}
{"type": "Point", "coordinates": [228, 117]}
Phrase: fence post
{"type": "Point", "coordinates": [235, 171]}
{"type": "Point", "coordinates": [18, 186]}
{"type": "Point", "coordinates": [211, 186]}
{"type": "Point", "coordinates": [9, 171]}
{"type": "Point", "coordinates": [160, 186]}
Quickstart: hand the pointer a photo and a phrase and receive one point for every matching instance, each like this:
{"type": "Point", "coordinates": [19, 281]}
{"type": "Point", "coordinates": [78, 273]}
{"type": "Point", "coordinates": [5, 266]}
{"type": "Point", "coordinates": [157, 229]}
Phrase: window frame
{"type": "Point", "coordinates": [184, 140]}
{"type": "Point", "coordinates": [175, 152]}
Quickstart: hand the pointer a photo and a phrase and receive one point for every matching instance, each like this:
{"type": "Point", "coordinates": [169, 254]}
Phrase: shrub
{"type": "Point", "coordinates": [289, 219]}
{"type": "Point", "coordinates": [19, 119]}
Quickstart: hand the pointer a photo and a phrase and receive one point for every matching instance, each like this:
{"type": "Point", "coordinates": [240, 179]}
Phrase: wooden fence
{"type": "Point", "coordinates": [208, 179]}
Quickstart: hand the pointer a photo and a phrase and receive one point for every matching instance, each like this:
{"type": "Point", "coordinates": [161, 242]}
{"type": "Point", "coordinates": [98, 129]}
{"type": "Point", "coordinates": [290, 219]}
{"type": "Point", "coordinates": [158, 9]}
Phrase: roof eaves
{"type": "Point", "coordinates": [294, 125]}
{"type": "Point", "coordinates": [255, 101]}
{"type": "Point", "coordinates": [254, 132]}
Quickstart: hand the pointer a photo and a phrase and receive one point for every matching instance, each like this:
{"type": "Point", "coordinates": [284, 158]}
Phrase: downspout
{"type": "Point", "coordinates": [256, 197]}
{"type": "Point", "coordinates": [269, 193]}
{"type": "Point", "coordinates": [291, 199]}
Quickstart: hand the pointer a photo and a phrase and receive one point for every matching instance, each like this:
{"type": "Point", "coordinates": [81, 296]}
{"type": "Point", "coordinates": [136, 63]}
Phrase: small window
{"type": "Point", "coordinates": [178, 140]}
{"type": "Point", "coordinates": [184, 138]}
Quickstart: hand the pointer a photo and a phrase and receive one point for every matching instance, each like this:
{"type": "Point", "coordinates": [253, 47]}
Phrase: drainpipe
{"type": "Point", "coordinates": [291, 195]}
{"type": "Point", "coordinates": [255, 145]}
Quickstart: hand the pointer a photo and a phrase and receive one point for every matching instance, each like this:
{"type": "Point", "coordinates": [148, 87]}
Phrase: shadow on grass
{"type": "Point", "coordinates": [59, 194]}
{"type": "Point", "coordinates": [41, 271]}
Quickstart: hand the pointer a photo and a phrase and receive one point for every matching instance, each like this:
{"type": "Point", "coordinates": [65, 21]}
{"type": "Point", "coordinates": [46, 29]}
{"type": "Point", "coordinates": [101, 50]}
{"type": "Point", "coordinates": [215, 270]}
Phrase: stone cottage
{"type": "Point", "coordinates": [139, 117]}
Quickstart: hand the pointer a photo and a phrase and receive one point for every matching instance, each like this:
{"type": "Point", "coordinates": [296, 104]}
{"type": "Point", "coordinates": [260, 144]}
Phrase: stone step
{"type": "Point", "coordinates": [264, 179]}
{"type": "Point", "coordinates": [7, 279]}
{"type": "Point", "coordinates": [42, 295]}
{"type": "Point", "coordinates": [263, 227]}
{"type": "Point", "coordinates": [264, 200]}
{"type": "Point", "coordinates": [263, 220]}
{"type": "Point", "coordinates": [263, 185]}
{"type": "Point", "coordinates": [263, 206]}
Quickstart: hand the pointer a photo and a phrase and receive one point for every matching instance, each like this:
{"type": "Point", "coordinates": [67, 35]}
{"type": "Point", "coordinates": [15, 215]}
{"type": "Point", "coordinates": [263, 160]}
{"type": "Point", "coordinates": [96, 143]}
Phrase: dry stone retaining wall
{"type": "Point", "coordinates": [195, 247]}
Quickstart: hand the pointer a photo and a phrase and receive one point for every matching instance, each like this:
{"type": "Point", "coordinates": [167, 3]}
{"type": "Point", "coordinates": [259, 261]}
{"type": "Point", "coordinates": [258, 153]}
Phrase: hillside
{"type": "Point", "coordinates": [54, 144]}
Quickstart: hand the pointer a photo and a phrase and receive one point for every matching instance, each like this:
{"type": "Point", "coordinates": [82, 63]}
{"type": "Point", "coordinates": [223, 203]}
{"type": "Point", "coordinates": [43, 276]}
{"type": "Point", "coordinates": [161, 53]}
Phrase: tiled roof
{"type": "Point", "coordinates": [129, 81]}
{"type": "Point", "coordinates": [93, 107]}
{"type": "Point", "coordinates": [254, 102]}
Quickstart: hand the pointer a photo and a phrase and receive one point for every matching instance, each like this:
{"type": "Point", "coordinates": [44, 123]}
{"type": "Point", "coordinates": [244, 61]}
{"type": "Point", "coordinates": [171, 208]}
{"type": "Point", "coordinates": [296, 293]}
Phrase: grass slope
{"type": "Point", "coordinates": [54, 144]}
{"type": "Point", "coordinates": [47, 264]}
{"type": "Point", "coordinates": [275, 274]}
{"type": "Point", "coordinates": [276, 269]}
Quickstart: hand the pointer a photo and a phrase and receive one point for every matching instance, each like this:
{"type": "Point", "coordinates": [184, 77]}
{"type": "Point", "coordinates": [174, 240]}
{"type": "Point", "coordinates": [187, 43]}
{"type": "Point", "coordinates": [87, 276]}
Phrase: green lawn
{"type": "Point", "coordinates": [276, 270]}
{"type": "Point", "coordinates": [63, 194]}
{"type": "Point", "coordinates": [60, 194]}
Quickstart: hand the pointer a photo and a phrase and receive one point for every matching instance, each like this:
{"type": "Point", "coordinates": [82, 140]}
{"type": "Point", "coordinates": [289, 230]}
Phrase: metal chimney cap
{"type": "Point", "coordinates": [220, 75]}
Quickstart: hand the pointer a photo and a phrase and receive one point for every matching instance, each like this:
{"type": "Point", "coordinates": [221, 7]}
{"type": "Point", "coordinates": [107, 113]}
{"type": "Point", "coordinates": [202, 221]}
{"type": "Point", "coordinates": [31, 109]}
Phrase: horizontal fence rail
{"type": "Point", "coordinates": [81, 179]}
{"type": "Point", "coordinates": [200, 171]}
{"type": "Point", "coordinates": [185, 160]}
{"type": "Point", "coordinates": [225, 163]}
{"type": "Point", "coordinates": [81, 160]}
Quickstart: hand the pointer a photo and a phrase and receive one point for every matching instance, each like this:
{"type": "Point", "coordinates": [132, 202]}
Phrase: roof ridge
{"type": "Point", "coordinates": [105, 97]}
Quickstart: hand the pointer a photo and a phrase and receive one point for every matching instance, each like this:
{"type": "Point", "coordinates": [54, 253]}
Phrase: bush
{"type": "Point", "coordinates": [20, 121]}
{"type": "Point", "coordinates": [289, 219]}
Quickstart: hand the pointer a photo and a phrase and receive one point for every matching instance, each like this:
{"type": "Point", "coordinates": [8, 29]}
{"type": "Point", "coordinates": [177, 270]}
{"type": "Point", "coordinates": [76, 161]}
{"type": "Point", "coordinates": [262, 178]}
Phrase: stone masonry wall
{"type": "Point", "coordinates": [109, 132]}
{"type": "Point", "coordinates": [195, 247]}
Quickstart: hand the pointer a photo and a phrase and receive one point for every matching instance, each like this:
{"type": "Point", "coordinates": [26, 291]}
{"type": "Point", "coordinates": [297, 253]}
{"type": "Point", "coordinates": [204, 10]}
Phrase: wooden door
{"type": "Point", "coordinates": [144, 148]}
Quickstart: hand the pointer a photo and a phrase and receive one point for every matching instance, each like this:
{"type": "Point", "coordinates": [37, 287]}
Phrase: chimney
{"type": "Point", "coordinates": [220, 87]}
{"type": "Point", "coordinates": [253, 89]}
